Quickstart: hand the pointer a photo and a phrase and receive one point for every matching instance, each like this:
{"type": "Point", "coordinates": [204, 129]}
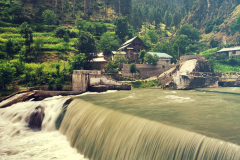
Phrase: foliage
{"type": "Point", "coordinates": [235, 26]}
{"type": "Point", "coordinates": [191, 32]}
{"type": "Point", "coordinates": [112, 66]}
{"type": "Point", "coordinates": [132, 68]}
{"type": "Point", "coordinates": [213, 43]}
{"type": "Point", "coordinates": [145, 84]}
{"type": "Point", "coordinates": [85, 44]}
{"type": "Point", "coordinates": [181, 43]}
{"type": "Point", "coordinates": [95, 28]}
{"type": "Point", "coordinates": [121, 28]}
{"type": "Point", "coordinates": [108, 43]}
{"type": "Point", "coordinates": [153, 36]}
{"type": "Point", "coordinates": [77, 62]}
{"type": "Point", "coordinates": [142, 55]}
{"type": "Point", "coordinates": [7, 74]}
{"type": "Point", "coordinates": [151, 59]}
{"type": "Point", "coordinates": [48, 16]}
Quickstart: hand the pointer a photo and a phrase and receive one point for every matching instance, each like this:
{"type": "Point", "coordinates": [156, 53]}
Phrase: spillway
{"type": "Point", "coordinates": [104, 134]}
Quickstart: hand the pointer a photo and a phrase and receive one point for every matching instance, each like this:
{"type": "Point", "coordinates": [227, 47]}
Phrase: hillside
{"type": "Point", "coordinates": [41, 42]}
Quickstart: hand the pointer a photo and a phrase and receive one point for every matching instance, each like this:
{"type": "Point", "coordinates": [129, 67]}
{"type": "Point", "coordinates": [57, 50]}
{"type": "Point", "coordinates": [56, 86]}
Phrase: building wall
{"type": "Point", "coordinates": [80, 79]}
{"type": "Point", "coordinates": [138, 45]}
{"type": "Point", "coordinates": [146, 70]}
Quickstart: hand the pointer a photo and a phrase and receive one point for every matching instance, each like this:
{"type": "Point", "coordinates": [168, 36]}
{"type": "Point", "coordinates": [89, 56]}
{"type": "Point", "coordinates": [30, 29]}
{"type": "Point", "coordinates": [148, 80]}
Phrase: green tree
{"type": "Point", "coordinates": [153, 36]}
{"type": "Point", "coordinates": [121, 29]}
{"type": "Point", "coordinates": [26, 31]}
{"type": "Point", "coordinates": [181, 43]}
{"type": "Point", "coordinates": [49, 17]}
{"type": "Point", "coordinates": [176, 19]}
{"type": "Point", "coordinates": [108, 43]}
{"type": "Point", "coordinates": [6, 74]}
{"type": "Point", "coordinates": [168, 19]}
{"type": "Point", "coordinates": [77, 62]}
{"type": "Point", "coordinates": [86, 45]}
{"type": "Point", "coordinates": [11, 49]}
{"type": "Point", "coordinates": [151, 59]}
{"type": "Point", "coordinates": [132, 68]}
{"type": "Point", "coordinates": [142, 55]}
{"type": "Point", "coordinates": [191, 32]}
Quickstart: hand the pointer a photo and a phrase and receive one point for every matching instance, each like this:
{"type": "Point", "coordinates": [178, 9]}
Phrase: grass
{"type": "Point", "coordinates": [144, 84]}
{"type": "Point", "coordinates": [218, 67]}
{"type": "Point", "coordinates": [209, 52]}
{"type": "Point", "coordinates": [9, 29]}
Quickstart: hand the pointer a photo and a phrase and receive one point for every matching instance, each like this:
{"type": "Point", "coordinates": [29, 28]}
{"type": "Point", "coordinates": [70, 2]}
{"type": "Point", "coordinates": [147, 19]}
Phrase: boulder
{"type": "Point", "coordinates": [36, 118]}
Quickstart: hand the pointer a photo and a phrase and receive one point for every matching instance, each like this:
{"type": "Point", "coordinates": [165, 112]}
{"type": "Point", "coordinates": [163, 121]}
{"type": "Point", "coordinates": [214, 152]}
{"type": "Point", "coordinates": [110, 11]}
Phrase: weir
{"type": "Point", "coordinates": [103, 134]}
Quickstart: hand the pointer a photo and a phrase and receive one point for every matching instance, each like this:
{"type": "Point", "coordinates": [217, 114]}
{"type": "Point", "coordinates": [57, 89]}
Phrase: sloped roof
{"type": "Point", "coordinates": [128, 42]}
{"type": "Point", "coordinates": [101, 59]}
{"type": "Point", "coordinates": [161, 55]}
{"type": "Point", "coordinates": [237, 48]}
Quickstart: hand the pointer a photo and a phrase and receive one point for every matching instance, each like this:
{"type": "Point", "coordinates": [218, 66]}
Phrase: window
{"type": "Point", "coordinates": [133, 44]}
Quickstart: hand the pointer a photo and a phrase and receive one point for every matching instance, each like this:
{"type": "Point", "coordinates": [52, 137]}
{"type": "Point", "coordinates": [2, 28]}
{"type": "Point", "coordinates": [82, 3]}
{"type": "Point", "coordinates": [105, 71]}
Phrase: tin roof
{"type": "Point", "coordinates": [161, 55]}
{"type": "Point", "coordinates": [230, 49]}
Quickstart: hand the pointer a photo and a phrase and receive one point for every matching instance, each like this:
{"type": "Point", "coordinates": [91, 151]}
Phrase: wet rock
{"type": "Point", "coordinates": [36, 118]}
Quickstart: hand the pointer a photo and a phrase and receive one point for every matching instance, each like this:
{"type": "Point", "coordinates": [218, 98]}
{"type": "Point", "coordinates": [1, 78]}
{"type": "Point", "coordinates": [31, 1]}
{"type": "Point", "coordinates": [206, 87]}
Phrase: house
{"type": "Point", "coordinates": [234, 51]}
{"type": "Point", "coordinates": [163, 58]}
{"type": "Point", "coordinates": [99, 62]}
{"type": "Point", "coordinates": [132, 48]}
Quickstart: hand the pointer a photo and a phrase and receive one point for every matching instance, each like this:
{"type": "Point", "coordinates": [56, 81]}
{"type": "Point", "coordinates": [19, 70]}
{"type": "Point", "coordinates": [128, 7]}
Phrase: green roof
{"type": "Point", "coordinates": [162, 55]}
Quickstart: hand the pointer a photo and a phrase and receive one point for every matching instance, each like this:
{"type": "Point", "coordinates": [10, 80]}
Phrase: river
{"type": "Point", "coordinates": [211, 112]}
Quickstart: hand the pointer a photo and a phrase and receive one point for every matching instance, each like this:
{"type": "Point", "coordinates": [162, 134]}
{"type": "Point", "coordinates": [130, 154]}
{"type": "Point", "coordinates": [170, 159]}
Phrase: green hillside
{"type": "Point", "coordinates": [41, 42]}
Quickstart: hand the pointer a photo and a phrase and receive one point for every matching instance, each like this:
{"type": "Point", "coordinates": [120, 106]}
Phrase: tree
{"type": "Point", "coordinates": [11, 49]}
{"type": "Point", "coordinates": [6, 74]}
{"type": "Point", "coordinates": [121, 28]}
{"type": "Point", "coordinates": [48, 16]}
{"type": "Point", "coordinates": [151, 59]}
{"type": "Point", "coordinates": [176, 19]}
{"type": "Point", "coordinates": [142, 55]}
{"type": "Point", "coordinates": [86, 45]}
{"type": "Point", "coordinates": [153, 36]}
{"type": "Point", "coordinates": [168, 19]}
{"type": "Point", "coordinates": [77, 62]}
{"type": "Point", "coordinates": [132, 68]}
{"type": "Point", "coordinates": [108, 43]}
{"type": "Point", "coordinates": [181, 43]}
{"type": "Point", "coordinates": [191, 32]}
{"type": "Point", "coordinates": [26, 31]}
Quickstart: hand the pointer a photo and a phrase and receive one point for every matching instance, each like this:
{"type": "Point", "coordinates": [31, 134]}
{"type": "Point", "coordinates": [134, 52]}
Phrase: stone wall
{"type": "Point", "coordinates": [146, 70]}
{"type": "Point", "coordinates": [189, 57]}
{"type": "Point", "coordinates": [80, 79]}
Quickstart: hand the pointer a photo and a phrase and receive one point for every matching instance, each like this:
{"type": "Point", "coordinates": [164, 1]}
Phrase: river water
{"type": "Point", "coordinates": [213, 112]}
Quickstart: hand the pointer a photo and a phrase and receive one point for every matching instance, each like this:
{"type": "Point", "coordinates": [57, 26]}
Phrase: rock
{"type": "Point", "coordinates": [36, 118]}
{"type": "Point", "coordinates": [194, 73]}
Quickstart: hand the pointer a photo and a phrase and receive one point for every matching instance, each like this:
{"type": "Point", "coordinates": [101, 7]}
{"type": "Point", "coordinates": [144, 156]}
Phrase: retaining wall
{"type": "Point", "coordinates": [147, 70]}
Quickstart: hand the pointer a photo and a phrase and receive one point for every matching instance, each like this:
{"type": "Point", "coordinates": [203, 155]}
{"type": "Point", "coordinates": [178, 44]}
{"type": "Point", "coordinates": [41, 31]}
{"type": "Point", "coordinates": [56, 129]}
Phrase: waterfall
{"type": "Point", "coordinates": [18, 141]}
{"type": "Point", "coordinates": [103, 134]}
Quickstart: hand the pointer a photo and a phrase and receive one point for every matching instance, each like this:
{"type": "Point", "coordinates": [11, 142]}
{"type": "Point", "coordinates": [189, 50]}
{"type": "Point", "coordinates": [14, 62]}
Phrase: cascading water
{"type": "Point", "coordinates": [103, 134]}
{"type": "Point", "coordinates": [17, 141]}
{"type": "Point", "coordinates": [100, 133]}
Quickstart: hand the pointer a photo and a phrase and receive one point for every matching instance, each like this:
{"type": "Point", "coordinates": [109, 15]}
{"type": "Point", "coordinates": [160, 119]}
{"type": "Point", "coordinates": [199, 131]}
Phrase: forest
{"type": "Point", "coordinates": [42, 42]}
